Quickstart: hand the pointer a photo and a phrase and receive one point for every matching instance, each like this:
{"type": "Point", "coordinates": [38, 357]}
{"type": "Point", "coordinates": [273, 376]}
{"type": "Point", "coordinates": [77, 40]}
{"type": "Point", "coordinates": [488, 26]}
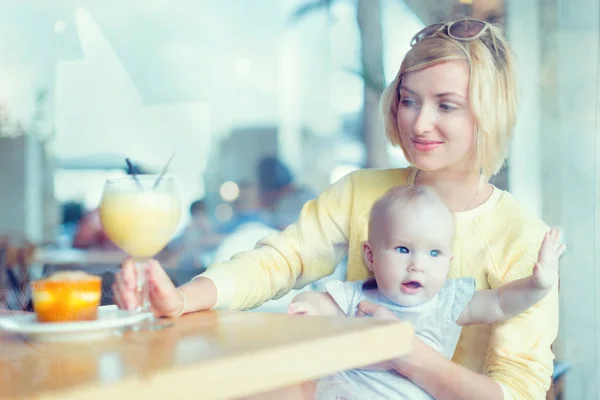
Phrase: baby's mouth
{"type": "Point", "coordinates": [411, 287]}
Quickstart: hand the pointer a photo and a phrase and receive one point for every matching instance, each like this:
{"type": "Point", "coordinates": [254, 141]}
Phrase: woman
{"type": "Point", "coordinates": [452, 111]}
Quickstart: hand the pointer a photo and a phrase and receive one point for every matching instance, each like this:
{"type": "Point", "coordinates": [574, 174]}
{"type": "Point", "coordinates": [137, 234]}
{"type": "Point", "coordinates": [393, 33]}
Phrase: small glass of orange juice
{"type": "Point", "coordinates": [67, 296]}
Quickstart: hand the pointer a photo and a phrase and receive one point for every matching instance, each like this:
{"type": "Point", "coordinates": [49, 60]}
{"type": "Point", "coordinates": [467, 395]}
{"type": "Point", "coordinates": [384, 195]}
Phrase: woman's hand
{"type": "Point", "coordinates": [165, 299]}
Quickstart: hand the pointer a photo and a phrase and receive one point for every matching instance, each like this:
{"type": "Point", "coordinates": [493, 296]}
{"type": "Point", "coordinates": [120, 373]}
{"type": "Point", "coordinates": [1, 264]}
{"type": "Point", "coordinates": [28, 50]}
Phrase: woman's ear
{"type": "Point", "coordinates": [368, 255]}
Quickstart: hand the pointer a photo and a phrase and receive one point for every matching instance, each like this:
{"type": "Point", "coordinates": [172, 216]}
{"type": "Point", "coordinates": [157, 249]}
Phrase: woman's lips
{"type": "Point", "coordinates": [426, 145]}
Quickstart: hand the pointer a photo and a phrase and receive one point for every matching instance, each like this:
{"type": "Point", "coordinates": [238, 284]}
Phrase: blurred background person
{"type": "Point", "coordinates": [198, 241]}
{"type": "Point", "coordinates": [248, 207]}
{"type": "Point", "coordinates": [280, 194]}
{"type": "Point", "coordinates": [72, 214]}
{"type": "Point", "coordinates": [250, 223]}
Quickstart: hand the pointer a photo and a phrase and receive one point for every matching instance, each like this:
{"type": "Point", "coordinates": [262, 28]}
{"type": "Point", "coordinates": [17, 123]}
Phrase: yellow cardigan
{"type": "Point", "coordinates": [495, 243]}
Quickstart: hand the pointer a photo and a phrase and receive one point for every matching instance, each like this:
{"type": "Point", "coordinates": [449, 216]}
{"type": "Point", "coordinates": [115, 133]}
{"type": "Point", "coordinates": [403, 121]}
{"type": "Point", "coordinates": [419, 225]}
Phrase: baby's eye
{"type": "Point", "coordinates": [434, 253]}
{"type": "Point", "coordinates": [402, 249]}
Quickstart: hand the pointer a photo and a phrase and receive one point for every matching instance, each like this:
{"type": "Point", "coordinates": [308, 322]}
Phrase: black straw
{"type": "Point", "coordinates": [133, 172]}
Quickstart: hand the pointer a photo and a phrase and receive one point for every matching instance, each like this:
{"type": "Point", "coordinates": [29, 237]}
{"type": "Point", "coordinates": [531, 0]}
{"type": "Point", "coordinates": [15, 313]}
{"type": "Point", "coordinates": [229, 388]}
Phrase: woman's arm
{"type": "Point", "coordinates": [443, 379]}
{"type": "Point", "coordinates": [433, 372]}
{"type": "Point", "coordinates": [304, 252]}
{"type": "Point", "coordinates": [519, 356]}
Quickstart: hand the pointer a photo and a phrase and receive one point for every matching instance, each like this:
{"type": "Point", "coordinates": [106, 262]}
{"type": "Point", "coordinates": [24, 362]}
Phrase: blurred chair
{"type": "Point", "coordinates": [16, 256]}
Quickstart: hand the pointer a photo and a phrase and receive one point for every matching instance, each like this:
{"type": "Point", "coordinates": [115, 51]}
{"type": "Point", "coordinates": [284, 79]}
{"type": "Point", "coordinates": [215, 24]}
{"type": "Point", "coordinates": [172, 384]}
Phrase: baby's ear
{"type": "Point", "coordinates": [368, 255]}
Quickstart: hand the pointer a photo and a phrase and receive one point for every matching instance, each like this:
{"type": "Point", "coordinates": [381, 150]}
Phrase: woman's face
{"type": "Point", "coordinates": [436, 125]}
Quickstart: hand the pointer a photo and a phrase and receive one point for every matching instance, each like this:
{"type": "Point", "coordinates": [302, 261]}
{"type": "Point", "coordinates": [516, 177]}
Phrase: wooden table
{"type": "Point", "coordinates": [205, 355]}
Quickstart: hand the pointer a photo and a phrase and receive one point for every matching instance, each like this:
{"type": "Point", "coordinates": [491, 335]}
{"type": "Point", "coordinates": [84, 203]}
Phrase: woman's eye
{"type": "Point", "coordinates": [447, 107]}
{"type": "Point", "coordinates": [402, 249]}
{"type": "Point", "coordinates": [434, 253]}
{"type": "Point", "coordinates": [407, 102]}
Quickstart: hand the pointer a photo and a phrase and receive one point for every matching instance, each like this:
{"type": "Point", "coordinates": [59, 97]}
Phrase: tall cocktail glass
{"type": "Point", "coordinates": [140, 214]}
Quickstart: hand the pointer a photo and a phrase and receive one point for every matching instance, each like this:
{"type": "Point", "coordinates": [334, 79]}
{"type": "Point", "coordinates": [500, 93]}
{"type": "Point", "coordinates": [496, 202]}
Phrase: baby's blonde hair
{"type": "Point", "coordinates": [405, 196]}
{"type": "Point", "coordinates": [492, 91]}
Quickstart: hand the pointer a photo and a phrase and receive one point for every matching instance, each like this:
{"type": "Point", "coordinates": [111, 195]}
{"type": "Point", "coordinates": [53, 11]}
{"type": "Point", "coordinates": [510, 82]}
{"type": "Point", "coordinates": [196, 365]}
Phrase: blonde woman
{"type": "Point", "coordinates": [451, 109]}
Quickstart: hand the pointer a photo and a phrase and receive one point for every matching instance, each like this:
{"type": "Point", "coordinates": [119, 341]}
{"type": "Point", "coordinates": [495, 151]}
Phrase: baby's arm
{"type": "Point", "coordinates": [510, 300]}
{"type": "Point", "coordinates": [314, 303]}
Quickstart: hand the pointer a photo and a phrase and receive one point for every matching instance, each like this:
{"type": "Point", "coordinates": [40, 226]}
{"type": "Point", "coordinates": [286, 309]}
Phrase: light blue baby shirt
{"type": "Point", "coordinates": [434, 323]}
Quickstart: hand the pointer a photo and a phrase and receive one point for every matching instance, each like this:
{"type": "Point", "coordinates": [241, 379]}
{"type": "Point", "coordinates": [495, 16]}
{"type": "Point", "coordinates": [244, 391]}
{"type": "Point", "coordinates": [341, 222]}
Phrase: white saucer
{"type": "Point", "coordinates": [110, 319]}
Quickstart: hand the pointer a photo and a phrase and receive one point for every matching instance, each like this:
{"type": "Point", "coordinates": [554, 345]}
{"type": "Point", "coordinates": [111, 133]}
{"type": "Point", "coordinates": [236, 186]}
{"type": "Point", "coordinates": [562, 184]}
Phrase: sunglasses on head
{"type": "Point", "coordinates": [465, 30]}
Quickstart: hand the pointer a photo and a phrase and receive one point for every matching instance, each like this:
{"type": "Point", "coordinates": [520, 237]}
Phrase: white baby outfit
{"type": "Point", "coordinates": [434, 323]}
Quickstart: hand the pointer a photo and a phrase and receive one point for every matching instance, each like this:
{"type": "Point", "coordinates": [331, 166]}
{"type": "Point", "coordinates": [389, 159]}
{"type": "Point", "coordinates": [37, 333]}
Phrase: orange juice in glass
{"type": "Point", "coordinates": [140, 215]}
{"type": "Point", "coordinates": [67, 296]}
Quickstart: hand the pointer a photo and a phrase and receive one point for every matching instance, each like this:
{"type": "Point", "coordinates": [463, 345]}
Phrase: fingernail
{"type": "Point", "coordinates": [130, 283]}
{"type": "Point", "coordinates": [130, 303]}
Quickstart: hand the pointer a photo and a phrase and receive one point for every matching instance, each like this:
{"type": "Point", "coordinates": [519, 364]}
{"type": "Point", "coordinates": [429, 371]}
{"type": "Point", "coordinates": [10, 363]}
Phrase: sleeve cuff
{"type": "Point", "coordinates": [505, 392]}
{"type": "Point", "coordinates": [225, 286]}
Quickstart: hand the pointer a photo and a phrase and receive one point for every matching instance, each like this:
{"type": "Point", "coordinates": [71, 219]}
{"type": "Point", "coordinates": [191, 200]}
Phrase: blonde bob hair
{"type": "Point", "coordinates": [492, 91]}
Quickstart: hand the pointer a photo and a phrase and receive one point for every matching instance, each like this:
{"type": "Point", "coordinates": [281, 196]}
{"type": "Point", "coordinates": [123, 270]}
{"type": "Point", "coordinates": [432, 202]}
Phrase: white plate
{"type": "Point", "coordinates": [110, 319]}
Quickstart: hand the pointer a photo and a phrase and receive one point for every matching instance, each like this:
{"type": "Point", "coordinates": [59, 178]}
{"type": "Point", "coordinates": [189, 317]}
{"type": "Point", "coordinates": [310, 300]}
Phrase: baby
{"type": "Point", "coordinates": [411, 233]}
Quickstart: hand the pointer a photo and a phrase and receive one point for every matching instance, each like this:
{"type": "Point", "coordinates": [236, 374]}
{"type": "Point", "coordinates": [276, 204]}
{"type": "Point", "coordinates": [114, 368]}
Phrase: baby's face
{"type": "Point", "coordinates": [412, 253]}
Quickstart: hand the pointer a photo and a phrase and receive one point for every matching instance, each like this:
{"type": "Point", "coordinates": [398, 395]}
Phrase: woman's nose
{"type": "Point", "coordinates": [424, 122]}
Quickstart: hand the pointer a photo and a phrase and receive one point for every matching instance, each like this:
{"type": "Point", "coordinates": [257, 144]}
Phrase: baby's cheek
{"type": "Point", "coordinates": [436, 284]}
{"type": "Point", "coordinates": [389, 274]}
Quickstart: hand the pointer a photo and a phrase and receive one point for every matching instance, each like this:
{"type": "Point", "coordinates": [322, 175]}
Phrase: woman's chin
{"type": "Point", "coordinates": [426, 165]}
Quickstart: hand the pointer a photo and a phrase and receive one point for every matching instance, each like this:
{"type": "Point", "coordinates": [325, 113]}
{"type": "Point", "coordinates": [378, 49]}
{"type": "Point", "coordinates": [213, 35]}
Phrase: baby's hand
{"type": "Point", "coordinates": [366, 309]}
{"type": "Point", "coordinates": [301, 308]}
{"type": "Point", "coordinates": [545, 271]}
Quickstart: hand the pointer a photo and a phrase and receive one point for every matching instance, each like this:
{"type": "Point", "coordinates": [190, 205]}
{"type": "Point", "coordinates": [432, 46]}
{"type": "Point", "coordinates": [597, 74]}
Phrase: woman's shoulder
{"type": "Point", "coordinates": [518, 214]}
{"type": "Point", "coordinates": [512, 221]}
{"type": "Point", "coordinates": [513, 235]}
